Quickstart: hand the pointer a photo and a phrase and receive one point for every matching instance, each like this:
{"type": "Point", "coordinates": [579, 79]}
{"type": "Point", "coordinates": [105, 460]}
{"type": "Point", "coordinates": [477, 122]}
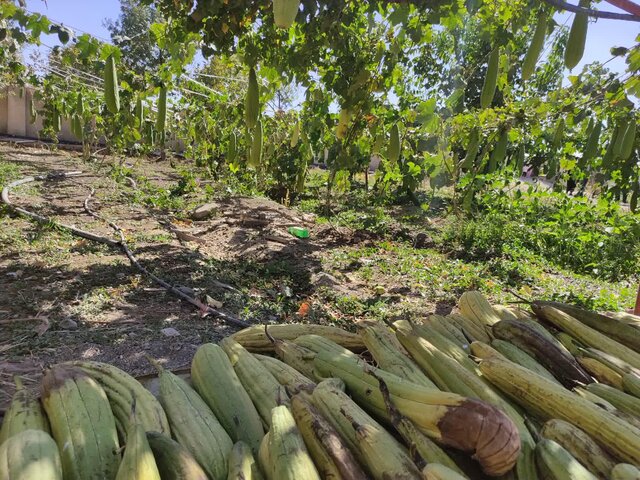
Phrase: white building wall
{"type": "Point", "coordinates": [15, 116]}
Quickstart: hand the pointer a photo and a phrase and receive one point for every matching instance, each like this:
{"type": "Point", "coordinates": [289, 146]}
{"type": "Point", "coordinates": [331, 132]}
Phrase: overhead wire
{"type": "Point", "coordinates": [65, 73]}
{"type": "Point", "coordinates": [68, 73]}
{"type": "Point", "coordinates": [200, 94]}
{"type": "Point", "coordinates": [233, 79]}
{"type": "Point", "coordinates": [87, 79]}
{"type": "Point", "coordinates": [62, 69]}
{"type": "Point", "coordinates": [90, 79]}
{"type": "Point", "coordinates": [484, 58]}
{"type": "Point", "coordinates": [58, 22]}
{"type": "Point", "coordinates": [69, 77]}
{"type": "Point", "coordinates": [200, 84]}
{"type": "Point", "coordinates": [597, 97]}
{"type": "Point", "coordinates": [84, 78]}
{"type": "Point", "coordinates": [81, 73]}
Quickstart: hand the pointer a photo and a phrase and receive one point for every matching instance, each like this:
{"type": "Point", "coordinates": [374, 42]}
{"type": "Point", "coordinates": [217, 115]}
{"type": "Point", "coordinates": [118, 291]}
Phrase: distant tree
{"type": "Point", "coordinates": [131, 32]}
{"type": "Point", "coordinates": [226, 75]}
{"type": "Point", "coordinates": [457, 59]}
{"type": "Point", "coordinates": [11, 67]}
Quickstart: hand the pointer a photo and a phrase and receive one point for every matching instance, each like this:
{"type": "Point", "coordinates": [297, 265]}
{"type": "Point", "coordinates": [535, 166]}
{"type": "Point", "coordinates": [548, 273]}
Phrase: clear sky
{"type": "Point", "coordinates": [602, 35]}
{"type": "Point", "coordinates": [88, 16]}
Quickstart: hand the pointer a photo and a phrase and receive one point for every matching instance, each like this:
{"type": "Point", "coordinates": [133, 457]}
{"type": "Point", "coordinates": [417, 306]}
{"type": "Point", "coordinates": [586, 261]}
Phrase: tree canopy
{"type": "Point", "coordinates": [467, 94]}
{"type": "Point", "coordinates": [131, 32]}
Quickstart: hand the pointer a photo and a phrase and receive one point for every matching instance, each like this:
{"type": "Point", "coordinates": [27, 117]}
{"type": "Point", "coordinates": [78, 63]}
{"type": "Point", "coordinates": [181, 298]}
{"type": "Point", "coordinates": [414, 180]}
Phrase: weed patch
{"type": "Point", "coordinates": [592, 238]}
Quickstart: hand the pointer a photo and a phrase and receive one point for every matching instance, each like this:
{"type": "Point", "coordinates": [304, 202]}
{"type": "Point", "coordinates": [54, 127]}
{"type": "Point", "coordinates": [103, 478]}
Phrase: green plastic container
{"type": "Point", "coordinates": [299, 232]}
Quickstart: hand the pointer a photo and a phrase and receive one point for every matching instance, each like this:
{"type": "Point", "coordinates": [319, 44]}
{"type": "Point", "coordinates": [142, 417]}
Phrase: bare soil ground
{"type": "Point", "coordinates": [64, 297]}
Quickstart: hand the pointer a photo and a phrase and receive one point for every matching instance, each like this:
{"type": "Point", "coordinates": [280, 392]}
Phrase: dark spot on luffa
{"type": "Point", "coordinates": [480, 428]}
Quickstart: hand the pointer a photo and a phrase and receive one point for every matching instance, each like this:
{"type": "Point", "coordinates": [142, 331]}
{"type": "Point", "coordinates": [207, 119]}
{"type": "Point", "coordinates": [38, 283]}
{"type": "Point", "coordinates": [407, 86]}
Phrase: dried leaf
{"type": "Point", "coordinates": [43, 326]}
{"type": "Point", "coordinates": [304, 309]}
{"type": "Point", "coordinates": [212, 303]}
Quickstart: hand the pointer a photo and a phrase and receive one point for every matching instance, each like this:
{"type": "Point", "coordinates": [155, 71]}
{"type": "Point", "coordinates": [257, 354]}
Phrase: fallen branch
{"type": "Point", "coordinates": [132, 182]}
{"type": "Point", "coordinates": [247, 221]}
{"type": "Point", "coordinates": [224, 286]}
{"type": "Point", "coordinates": [121, 244]}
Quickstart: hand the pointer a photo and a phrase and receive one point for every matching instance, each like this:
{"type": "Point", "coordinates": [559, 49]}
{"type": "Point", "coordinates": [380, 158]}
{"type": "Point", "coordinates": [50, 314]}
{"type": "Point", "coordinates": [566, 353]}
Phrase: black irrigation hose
{"type": "Point", "coordinates": [120, 244]}
{"type": "Point", "coordinates": [52, 176]}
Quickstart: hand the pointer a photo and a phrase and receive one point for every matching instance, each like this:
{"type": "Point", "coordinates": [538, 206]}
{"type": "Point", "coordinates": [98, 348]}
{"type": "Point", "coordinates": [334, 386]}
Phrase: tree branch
{"type": "Point", "coordinates": [562, 5]}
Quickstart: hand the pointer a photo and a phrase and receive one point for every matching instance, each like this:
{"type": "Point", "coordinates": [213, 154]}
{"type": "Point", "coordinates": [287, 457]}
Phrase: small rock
{"type": "Point", "coordinates": [170, 332]}
{"type": "Point", "coordinates": [203, 211]}
{"type": "Point", "coordinates": [68, 324]}
{"type": "Point", "coordinates": [324, 279]}
{"type": "Point", "coordinates": [90, 352]}
{"type": "Point", "coordinates": [421, 240]}
{"type": "Point", "coordinates": [309, 217]}
{"type": "Point", "coordinates": [43, 326]}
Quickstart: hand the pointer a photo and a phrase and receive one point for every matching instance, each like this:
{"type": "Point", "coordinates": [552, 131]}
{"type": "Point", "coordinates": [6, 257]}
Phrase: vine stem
{"type": "Point", "coordinates": [121, 244]}
{"type": "Point", "coordinates": [562, 5]}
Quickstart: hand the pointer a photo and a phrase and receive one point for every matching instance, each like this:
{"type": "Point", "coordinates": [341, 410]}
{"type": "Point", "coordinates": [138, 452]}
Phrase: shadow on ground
{"type": "Point", "coordinates": [93, 304]}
